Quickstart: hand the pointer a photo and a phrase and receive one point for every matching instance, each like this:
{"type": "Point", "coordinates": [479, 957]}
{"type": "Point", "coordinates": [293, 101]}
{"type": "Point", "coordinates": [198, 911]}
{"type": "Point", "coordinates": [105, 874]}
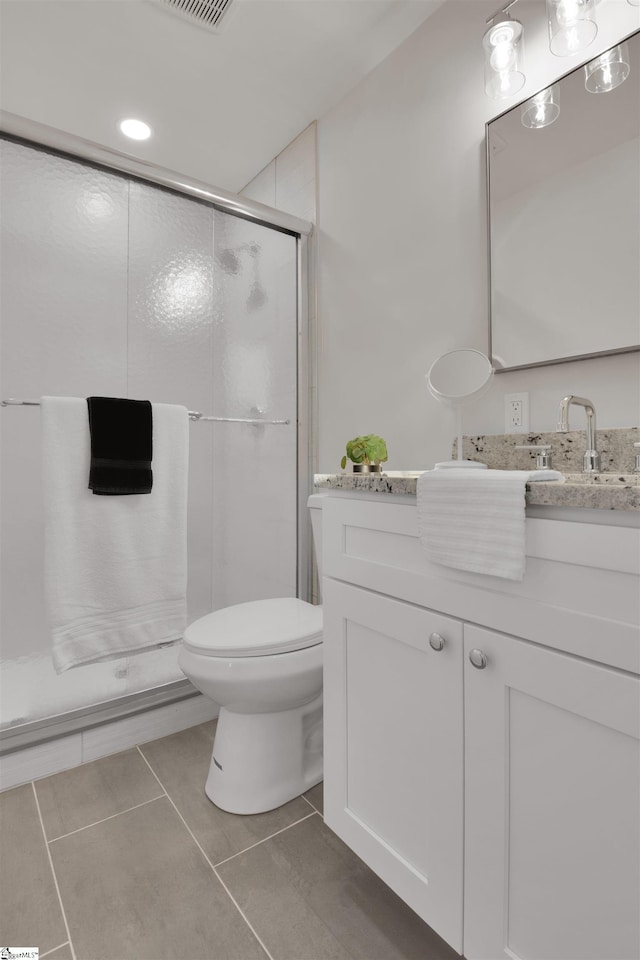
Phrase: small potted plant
{"type": "Point", "coordinates": [366, 454]}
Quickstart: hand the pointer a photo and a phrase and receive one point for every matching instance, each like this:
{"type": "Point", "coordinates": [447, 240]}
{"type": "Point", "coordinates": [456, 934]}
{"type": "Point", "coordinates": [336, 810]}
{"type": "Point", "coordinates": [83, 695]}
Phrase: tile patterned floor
{"type": "Point", "coordinates": [126, 858]}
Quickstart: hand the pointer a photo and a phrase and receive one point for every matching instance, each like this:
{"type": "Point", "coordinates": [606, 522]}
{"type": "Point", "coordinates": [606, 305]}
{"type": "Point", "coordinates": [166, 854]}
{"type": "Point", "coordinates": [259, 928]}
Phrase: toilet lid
{"type": "Point", "coordinates": [256, 629]}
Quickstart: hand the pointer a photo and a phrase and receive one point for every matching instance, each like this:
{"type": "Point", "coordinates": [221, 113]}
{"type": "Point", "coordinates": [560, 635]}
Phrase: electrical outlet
{"type": "Point", "coordinates": [516, 413]}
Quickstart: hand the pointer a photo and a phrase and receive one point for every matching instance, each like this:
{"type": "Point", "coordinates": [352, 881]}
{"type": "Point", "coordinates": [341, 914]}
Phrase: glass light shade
{"type": "Point", "coordinates": [503, 53]}
{"type": "Point", "coordinates": [608, 71]}
{"type": "Point", "coordinates": [542, 109]}
{"type": "Point", "coordinates": [572, 26]}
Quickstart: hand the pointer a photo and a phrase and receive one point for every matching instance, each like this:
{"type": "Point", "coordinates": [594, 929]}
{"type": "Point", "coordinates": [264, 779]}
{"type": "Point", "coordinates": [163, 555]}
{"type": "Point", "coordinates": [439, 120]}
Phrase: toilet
{"type": "Point", "coordinates": [261, 662]}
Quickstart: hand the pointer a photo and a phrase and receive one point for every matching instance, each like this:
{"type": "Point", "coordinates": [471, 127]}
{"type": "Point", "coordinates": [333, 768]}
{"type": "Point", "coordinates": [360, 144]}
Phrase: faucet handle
{"type": "Point", "coordinates": [543, 458]}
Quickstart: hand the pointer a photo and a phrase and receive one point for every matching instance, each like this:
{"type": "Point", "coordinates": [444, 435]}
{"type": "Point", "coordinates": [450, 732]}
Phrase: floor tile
{"type": "Point", "coordinates": [30, 909]}
{"type": "Point", "coordinates": [181, 762]}
{"type": "Point", "coordinates": [315, 796]}
{"type": "Point", "coordinates": [310, 898]}
{"type": "Point", "coordinates": [93, 791]}
{"type": "Point", "coordinates": [62, 953]}
{"type": "Point", "coordinates": [136, 887]}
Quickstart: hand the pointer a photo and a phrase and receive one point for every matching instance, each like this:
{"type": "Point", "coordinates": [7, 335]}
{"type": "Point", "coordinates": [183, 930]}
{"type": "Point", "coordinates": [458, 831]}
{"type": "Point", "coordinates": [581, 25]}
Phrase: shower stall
{"type": "Point", "coordinates": [119, 279]}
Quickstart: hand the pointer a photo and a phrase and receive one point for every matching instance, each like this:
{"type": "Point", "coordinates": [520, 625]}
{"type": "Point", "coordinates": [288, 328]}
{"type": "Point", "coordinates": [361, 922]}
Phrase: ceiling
{"type": "Point", "coordinates": [221, 106]}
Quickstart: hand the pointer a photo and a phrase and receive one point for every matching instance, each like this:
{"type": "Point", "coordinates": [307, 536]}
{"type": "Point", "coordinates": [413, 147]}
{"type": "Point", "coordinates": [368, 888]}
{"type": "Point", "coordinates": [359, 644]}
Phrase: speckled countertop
{"type": "Point", "coordinates": [616, 488]}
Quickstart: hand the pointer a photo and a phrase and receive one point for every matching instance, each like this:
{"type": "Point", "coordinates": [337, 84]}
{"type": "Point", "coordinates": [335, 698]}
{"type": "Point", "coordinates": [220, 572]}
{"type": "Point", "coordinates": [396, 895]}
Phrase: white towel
{"type": "Point", "coordinates": [115, 567]}
{"type": "Point", "coordinates": [475, 519]}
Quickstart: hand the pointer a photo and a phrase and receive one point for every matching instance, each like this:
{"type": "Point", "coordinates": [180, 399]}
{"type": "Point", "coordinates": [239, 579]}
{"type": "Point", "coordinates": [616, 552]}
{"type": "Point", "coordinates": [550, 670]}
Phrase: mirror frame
{"type": "Point", "coordinates": [539, 363]}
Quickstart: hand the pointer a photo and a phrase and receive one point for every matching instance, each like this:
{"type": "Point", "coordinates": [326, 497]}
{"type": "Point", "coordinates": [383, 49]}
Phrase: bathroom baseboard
{"type": "Point", "coordinates": [63, 753]}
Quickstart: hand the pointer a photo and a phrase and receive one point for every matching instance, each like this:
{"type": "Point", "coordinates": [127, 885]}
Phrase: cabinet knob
{"type": "Point", "coordinates": [436, 642]}
{"type": "Point", "coordinates": [478, 659]}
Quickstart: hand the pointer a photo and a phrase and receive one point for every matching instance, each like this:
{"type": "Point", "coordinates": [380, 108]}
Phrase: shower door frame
{"type": "Point", "coordinates": [35, 134]}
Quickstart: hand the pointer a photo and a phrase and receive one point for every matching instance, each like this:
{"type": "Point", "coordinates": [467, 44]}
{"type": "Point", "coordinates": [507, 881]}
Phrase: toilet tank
{"type": "Point", "coordinates": [315, 504]}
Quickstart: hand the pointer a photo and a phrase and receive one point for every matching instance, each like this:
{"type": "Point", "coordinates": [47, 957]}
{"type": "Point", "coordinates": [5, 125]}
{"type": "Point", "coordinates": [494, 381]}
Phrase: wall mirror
{"type": "Point", "coordinates": [564, 215]}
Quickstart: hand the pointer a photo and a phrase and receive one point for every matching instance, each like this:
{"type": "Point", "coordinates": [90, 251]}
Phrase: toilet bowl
{"type": "Point", "coordinates": [261, 662]}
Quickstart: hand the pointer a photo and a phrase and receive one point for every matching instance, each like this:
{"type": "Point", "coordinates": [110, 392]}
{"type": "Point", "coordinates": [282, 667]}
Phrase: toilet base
{"type": "Point", "coordinates": [262, 760]}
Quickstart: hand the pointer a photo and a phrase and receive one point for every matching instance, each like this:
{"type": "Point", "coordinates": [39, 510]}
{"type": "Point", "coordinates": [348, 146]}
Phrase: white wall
{"type": "Point", "coordinates": [288, 183]}
{"type": "Point", "coordinates": [403, 247]}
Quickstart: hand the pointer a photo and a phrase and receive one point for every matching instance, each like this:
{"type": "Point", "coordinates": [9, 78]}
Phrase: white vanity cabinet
{"type": "Point", "coordinates": [394, 746]}
{"type": "Point", "coordinates": [552, 804]}
{"type": "Point", "coordinates": [515, 780]}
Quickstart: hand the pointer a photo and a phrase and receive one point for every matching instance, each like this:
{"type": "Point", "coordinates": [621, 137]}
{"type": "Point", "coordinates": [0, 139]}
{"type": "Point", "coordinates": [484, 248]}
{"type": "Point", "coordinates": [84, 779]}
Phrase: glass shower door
{"type": "Point", "coordinates": [254, 465]}
{"type": "Point", "coordinates": [115, 287]}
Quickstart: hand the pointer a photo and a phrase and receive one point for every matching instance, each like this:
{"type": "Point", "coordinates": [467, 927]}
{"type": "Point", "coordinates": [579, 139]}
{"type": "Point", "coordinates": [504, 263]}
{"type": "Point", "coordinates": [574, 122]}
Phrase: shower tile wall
{"type": "Point", "coordinates": [110, 287]}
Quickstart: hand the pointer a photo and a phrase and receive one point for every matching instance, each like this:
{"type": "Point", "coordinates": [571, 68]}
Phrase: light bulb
{"type": "Point", "coordinates": [568, 11]}
{"type": "Point", "coordinates": [540, 114]}
{"type": "Point", "coordinates": [503, 57]}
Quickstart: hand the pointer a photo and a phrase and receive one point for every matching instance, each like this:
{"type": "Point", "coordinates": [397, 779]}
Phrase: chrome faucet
{"type": "Point", "coordinates": [591, 461]}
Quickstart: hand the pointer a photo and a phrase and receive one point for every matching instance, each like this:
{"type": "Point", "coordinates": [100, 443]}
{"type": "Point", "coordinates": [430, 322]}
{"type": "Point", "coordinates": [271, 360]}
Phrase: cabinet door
{"type": "Point", "coordinates": [552, 765]}
{"type": "Point", "coordinates": [393, 746]}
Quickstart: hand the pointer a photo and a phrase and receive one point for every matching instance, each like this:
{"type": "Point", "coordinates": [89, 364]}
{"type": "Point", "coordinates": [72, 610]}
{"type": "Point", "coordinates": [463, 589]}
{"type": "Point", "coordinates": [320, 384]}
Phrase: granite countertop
{"type": "Point", "coordinates": [616, 488]}
{"type": "Point", "coordinates": [600, 492]}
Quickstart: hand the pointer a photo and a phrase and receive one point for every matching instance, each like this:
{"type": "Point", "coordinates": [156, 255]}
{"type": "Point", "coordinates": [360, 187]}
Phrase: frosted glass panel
{"type": "Point", "coordinates": [63, 310]}
{"type": "Point", "coordinates": [254, 474]}
{"type": "Point", "coordinates": [171, 346]}
{"type": "Point", "coordinates": [119, 288]}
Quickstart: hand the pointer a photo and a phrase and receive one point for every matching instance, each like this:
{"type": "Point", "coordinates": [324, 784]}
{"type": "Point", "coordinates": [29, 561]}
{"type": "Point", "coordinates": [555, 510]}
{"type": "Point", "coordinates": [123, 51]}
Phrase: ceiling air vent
{"type": "Point", "coordinates": [203, 13]}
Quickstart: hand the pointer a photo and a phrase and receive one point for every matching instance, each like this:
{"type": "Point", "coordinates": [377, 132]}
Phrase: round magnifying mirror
{"type": "Point", "coordinates": [456, 378]}
{"type": "Point", "coordinates": [459, 376]}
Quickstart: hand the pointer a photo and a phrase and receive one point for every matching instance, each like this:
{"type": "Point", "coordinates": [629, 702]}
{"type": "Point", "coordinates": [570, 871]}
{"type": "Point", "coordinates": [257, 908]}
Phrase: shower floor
{"type": "Point", "coordinates": [125, 858]}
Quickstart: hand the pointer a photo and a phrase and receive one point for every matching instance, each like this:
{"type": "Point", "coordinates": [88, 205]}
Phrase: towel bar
{"type": "Point", "coordinates": [193, 414]}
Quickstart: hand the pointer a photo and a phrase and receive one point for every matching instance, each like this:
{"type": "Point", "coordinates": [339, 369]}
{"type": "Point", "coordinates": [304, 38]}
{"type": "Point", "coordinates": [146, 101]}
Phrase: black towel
{"type": "Point", "coordinates": [121, 446]}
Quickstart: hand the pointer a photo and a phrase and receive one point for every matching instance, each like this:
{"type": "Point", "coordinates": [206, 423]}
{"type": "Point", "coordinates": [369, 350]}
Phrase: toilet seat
{"type": "Point", "coordinates": [258, 628]}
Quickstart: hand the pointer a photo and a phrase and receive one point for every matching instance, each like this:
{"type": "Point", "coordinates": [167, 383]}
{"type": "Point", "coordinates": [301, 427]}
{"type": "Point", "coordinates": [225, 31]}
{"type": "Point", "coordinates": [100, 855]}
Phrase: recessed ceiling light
{"type": "Point", "coordinates": [135, 129]}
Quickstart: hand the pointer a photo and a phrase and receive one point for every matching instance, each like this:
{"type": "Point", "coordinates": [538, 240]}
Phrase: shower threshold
{"type": "Point", "coordinates": [35, 732]}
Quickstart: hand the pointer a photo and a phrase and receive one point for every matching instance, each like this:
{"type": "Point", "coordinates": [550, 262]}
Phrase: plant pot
{"type": "Point", "coordinates": [367, 468]}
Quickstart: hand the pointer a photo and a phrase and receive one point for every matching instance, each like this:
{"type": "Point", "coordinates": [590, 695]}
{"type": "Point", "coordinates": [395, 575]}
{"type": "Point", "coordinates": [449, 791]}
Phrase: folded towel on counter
{"type": "Point", "coordinates": [475, 519]}
{"type": "Point", "coordinates": [115, 567]}
{"type": "Point", "coordinates": [121, 446]}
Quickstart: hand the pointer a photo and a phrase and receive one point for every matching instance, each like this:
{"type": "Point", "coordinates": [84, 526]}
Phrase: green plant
{"type": "Point", "coordinates": [367, 449]}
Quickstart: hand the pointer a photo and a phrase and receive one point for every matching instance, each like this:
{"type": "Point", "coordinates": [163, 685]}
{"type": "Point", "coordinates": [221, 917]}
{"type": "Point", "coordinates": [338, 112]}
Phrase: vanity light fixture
{"type": "Point", "coordinates": [135, 129]}
{"type": "Point", "coordinates": [607, 71]}
{"type": "Point", "coordinates": [572, 26]}
{"type": "Point", "coordinates": [542, 109]}
{"type": "Point", "coordinates": [503, 48]}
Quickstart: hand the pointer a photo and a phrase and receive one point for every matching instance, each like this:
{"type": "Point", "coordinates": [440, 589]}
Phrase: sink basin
{"type": "Point", "coordinates": [404, 474]}
{"type": "Point", "coordinates": [615, 479]}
